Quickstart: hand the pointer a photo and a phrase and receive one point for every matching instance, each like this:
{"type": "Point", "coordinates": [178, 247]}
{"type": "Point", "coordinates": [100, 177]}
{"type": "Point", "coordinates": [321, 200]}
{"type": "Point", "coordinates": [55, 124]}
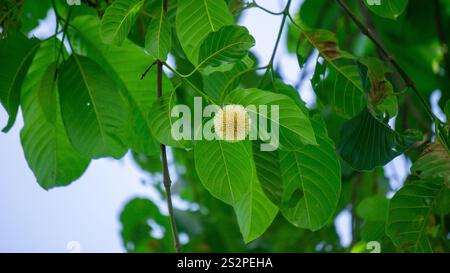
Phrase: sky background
{"type": "Point", "coordinates": [85, 215]}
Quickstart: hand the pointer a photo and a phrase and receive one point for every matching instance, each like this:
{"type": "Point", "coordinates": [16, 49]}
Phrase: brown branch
{"type": "Point", "coordinates": [165, 169]}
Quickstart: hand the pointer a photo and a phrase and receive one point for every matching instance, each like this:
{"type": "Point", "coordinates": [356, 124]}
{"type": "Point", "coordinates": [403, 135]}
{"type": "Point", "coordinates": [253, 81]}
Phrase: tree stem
{"type": "Point", "coordinates": [165, 168]}
{"type": "Point", "coordinates": [280, 31]}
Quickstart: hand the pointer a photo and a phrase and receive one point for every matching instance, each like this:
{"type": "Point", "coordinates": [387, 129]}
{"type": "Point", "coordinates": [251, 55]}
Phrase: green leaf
{"type": "Point", "coordinates": [16, 53]}
{"type": "Point", "coordinates": [268, 171]}
{"type": "Point", "coordinates": [254, 211]}
{"type": "Point", "coordinates": [378, 88]}
{"type": "Point", "coordinates": [366, 142]}
{"type": "Point", "coordinates": [312, 181]}
{"type": "Point", "coordinates": [409, 213]}
{"type": "Point", "coordinates": [46, 146]}
{"type": "Point", "coordinates": [136, 230]}
{"type": "Point", "coordinates": [118, 20]}
{"type": "Point", "coordinates": [218, 84]}
{"type": "Point", "coordinates": [338, 82]}
{"type": "Point", "coordinates": [94, 113]}
{"type": "Point", "coordinates": [374, 211]}
{"type": "Point", "coordinates": [227, 45]}
{"type": "Point", "coordinates": [373, 208]}
{"type": "Point", "coordinates": [140, 93]}
{"type": "Point", "coordinates": [294, 125]}
{"type": "Point", "coordinates": [47, 93]}
{"type": "Point", "coordinates": [390, 9]}
{"type": "Point", "coordinates": [434, 162]}
{"type": "Point", "coordinates": [32, 12]}
{"type": "Point", "coordinates": [224, 168]}
{"type": "Point", "coordinates": [158, 39]}
{"type": "Point", "coordinates": [161, 121]}
{"type": "Point", "coordinates": [196, 19]}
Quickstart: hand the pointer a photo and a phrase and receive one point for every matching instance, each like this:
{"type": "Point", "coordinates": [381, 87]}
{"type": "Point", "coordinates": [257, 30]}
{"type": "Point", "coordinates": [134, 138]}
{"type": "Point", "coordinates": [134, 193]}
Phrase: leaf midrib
{"type": "Point", "coordinates": [94, 106]}
{"type": "Point", "coordinates": [24, 60]}
{"type": "Point", "coordinates": [127, 15]}
{"type": "Point", "coordinates": [331, 61]}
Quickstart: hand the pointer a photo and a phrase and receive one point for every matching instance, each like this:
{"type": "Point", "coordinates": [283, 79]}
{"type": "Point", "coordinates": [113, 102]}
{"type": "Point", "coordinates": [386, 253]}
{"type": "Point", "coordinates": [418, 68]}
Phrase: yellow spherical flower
{"type": "Point", "coordinates": [232, 123]}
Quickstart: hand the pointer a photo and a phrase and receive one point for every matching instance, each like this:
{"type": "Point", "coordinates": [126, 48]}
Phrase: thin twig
{"type": "Point", "coordinates": [280, 32]}
{"type": "Point", "coordinates": [166, 176]}
{"type": "Point", "coordinates": [148, 69]}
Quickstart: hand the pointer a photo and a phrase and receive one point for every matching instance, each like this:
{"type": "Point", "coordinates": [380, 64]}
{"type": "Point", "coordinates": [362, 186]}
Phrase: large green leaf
{"type": "Point", "coordinates": [374, 211]}
{"type": "Point", "coordinates": [367, 142]}
{"type": "Point", "coordinates": [34, 12]}
{"type": "Point", "coordinates": [434, 162]}
{"type": "Point", "coordinates": [391, 9]}
{"type": "Point", "coordinates": [94, 112]}
{"type": "Point", "coordinates": [294, 125]}
{"type": "Point", "coordinates": [224, 168]}
{"type": "Point", "coordinates": [268, 170]}
{"type": "Point", "coordinates": [161, 120]}
{"type": "Point", "coordinates": [338, 81]}
{"type": "Point", "coordinates": [254, 211]}
{"type": "Point", "coordinates": [378, 88]}
{"type": "Point", "coordinates": [312, 181]}
{"type": "Point", "coordinates": [196, 19]}
{"type": "Point", "coordinates": [47, 96]}
{"type": "Point", "coordinates": [140, 93]}
{"type": "Point", "coordinates": [158, 39]}
{"type": "Point", "coordinates": [219, 83]}
{"type": "Point", "coordinates": [136, 230]}
{"type": "Point", "coordinates": [227, 45]}
{"type": "Point", "coordinates": [16, 53]}
{"type": "Point", "coordinates": [118, 20]}
{"type": "Point", "coordinates": [373, 208]}
{"type": "Point", "coordinates": [46, 146]}
{"type": "Point", "coordinates": [409, 212]}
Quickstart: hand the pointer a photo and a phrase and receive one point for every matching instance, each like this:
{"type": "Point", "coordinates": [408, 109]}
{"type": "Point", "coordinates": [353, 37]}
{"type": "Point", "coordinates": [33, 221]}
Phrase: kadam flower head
{"type": "Point", "coordinates": [232, 123]}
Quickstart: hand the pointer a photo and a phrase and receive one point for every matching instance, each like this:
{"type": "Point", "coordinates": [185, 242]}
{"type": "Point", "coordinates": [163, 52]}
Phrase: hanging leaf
{"type": "Point", "coordinates": [367, 142]}
{"type": "Point", "coordinates": [161, 121]}
{"type": "Point", "coordinates": [434, 162]}
{"type": "Point", "coordinates": [118, 20]}
{"type": "Point", "coordinates": [46, 146]}
{"type": "Point", "coordinates": [126, 72]}
{"type": "Point", "coordinates": [254, 211]}
{"type": "Point", "coordinates": [409, 213]}
{"type": "Point", "coordinates": [373, 211]}
{"type": "Point", "coordinates": [373, 208]}
{"type": "Point", "coordinates": [196, 19]}
{"type": "Point", "coordinates": [218, 84]}
{"type": "Point", "coordinates": [94, 113]}
{"type": "Point", "coordinates": [390, 9]}
{"type": "Point", "coordinates": [139, 218]}
{"type": "Point", "coordinates": [47, 93]}
{"type": "Point", "coordinates": [338, 80]}
{"type": "Point", "coordinates": [294, 125]}
{"type": "Point", "coordinates": [158, 39]}
{"type": "Point", "coordinates": [380, 91]}
{"type": "Point", "coordinates": [227, 45]}
{"type": "Point", "coordinates": [312, 181]}
{"type": "Point", "coordinates": [268, 171]}
{"type": "Point", "coordinates": [16, 53]}
{"type": "Point", "coordinates": [224, 168]}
